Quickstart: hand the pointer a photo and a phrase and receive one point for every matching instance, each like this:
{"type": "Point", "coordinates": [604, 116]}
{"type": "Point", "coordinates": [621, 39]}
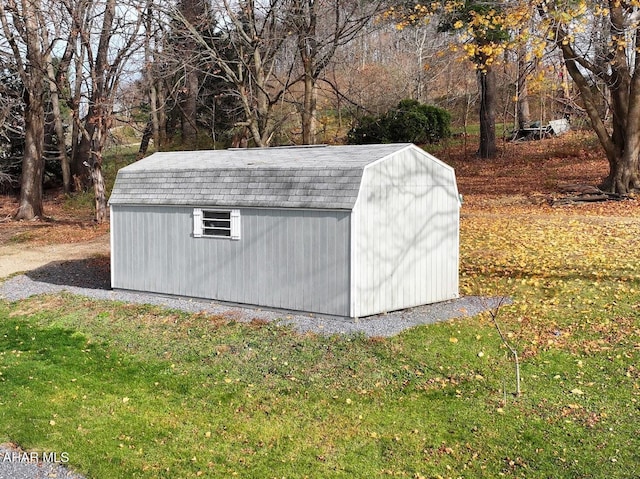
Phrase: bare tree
{"type": "Point", "coordinates": [383, 66]}
{"type": "Point", "coordinates": [34, 31]}
{"type": "Point", "coordinates": [56, 81]}
{"type": "Point", "coordinates": [243, 48]}
{"type": "Point", "coordinates": [320, 29]}
{"type": "Point", "coordinates": [151, 85]}
{"type": "Point", "coordinates": [194, 12]}
{"type": "Point", "coordinates": [58, 124]}
{"type": "Point", "coordinates": [23, 25]}
{"type": "Point", "coordinates": [110, 34]}
{"type": "Point", "coordinates": [154, 81]}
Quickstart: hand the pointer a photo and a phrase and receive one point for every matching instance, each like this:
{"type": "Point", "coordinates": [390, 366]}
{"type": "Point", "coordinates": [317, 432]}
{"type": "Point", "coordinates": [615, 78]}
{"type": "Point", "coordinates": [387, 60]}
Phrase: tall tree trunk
{"type": "Point", "coordinates": [524, 115]}
{"type": "Point", "coordinates": [162, 115]}
{"type": "Point", "coordinates": [32, 74]}
{"type": "Point", "coordinates": [144, 141]}
{"type": "Point", "coordinates": [97, 125]}
{"type": "Point", "coordinates": [189, 109]}
{"type": "Point", "coordinates": [56, 81]}
{"type": "Point", "coordinates": [625, 174]}
{"type": "Point", "coordinates": [30, 205]}
{"type": "Point", "coordinates": [307, 21]}
{"type": "Point", "coordinates": [309, 110]}
{"type": "Point", "coordinates": [522, 110]}
{"type": "Point", "coordinates": [622, 146]}
{"type": "Point", "coordinates": [97, 178]}
{"type": "Point", "coordinates": [59, 128]}
{"type": "Point", "coordinates": [100, 111]}
{"type": "Point", "coordinates": [622, 143]}
{"type": "Point", "coordinates": [321, 28]}
{"type": "Point", "coordinates": [99, 192]}
{"type": "Point", "coordinates": [151, 84]}
{"type": "Point", "coordinates": [79, 147]}
{"type": "Point", "coordinates": [194, 12]}
{"type": "Point", "coordinates": [155, 122]}
{"type": "Point", "coordinates": [81, 156]}
{"type": "Point", "coordinates": [487, 82]}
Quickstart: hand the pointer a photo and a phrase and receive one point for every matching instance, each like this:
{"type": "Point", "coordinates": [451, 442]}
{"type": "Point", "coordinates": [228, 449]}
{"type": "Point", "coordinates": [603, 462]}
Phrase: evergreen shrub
{"type": "Point", "coordinates": [411, 121]}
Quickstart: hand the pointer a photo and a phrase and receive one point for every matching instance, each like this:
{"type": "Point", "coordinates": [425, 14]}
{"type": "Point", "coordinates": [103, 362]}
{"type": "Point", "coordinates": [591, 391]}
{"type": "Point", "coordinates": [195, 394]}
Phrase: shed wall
{"type": "Point", "coordinates": [289, 259]}
{"type": "Point", "coordinates": [405, 234]}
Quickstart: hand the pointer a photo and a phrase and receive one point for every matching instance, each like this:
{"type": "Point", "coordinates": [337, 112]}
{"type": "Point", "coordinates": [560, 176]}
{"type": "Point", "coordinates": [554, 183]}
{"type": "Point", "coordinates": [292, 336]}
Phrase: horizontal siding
{"type": "Point", "coordinates": [406, 234]}
{"type": "Point", "coordinates": [289, 259]}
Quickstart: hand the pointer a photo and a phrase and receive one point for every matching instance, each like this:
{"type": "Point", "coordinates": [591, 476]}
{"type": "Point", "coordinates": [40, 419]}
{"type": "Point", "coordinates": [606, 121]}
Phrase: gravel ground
{"type": "Point", "coordinates": [17, 464]}
{"type": "Point", "coordinates": [91, 278]}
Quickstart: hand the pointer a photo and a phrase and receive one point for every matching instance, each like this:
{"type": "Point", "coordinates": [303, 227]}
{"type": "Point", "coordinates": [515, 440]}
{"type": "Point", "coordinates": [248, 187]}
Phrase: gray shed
{"type": "Point", "coordinates": [349, 231]}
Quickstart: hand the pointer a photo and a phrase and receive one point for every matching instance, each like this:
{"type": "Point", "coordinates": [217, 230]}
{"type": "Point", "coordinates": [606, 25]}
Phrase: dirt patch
{"type": "Point", "coordinates": [15, 258]}
{"type": "Point", "coordinates": [62, 236]}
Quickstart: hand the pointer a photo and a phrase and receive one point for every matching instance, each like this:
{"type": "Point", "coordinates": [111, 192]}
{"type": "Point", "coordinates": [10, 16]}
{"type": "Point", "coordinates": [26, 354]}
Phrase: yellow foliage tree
{"type": "Point", "coordinates": [484, 30]}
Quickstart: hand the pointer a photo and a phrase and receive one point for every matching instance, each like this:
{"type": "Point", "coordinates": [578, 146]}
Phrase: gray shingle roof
{"type": "Point", "coordinates": [322, 177]}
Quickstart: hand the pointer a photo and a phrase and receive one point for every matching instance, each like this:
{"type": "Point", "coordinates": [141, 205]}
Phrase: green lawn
{"type": "Point", "coordinates": [130, 391]}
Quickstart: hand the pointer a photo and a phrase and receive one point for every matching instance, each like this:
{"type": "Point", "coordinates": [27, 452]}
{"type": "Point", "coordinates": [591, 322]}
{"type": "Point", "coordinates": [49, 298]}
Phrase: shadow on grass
{"type": "Point", "coordinates": [93, 273]}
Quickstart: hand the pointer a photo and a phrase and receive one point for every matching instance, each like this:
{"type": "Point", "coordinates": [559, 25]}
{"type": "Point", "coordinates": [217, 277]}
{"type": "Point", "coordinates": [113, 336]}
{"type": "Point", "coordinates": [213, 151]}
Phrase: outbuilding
{"type": "Point", "coordinates": [349, 231]}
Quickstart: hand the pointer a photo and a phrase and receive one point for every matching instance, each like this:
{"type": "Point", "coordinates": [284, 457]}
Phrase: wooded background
{"type": "Point", "coordinates": [218, 73]}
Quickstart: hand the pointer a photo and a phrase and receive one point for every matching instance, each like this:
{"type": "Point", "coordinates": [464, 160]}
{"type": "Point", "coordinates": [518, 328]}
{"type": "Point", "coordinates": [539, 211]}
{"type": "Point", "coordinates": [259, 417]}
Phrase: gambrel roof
{"type": "Point", "coordinates": [318, 177]}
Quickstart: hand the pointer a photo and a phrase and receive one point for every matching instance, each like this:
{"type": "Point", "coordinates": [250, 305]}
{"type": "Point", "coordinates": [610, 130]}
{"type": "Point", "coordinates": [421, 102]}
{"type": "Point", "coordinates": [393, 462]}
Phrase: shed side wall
{"type": "Point", "coordinates": [406, 234]}
{"type": "Point", "coordinates": [289, 259]}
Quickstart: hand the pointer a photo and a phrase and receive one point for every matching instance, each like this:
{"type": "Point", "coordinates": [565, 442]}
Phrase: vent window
{"type": "Point", "coordinates": [216, 223]}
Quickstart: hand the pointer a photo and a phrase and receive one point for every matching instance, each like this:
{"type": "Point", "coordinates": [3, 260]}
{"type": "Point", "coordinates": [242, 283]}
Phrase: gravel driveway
{"type": "Point", "coordinates": [90, 277]}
